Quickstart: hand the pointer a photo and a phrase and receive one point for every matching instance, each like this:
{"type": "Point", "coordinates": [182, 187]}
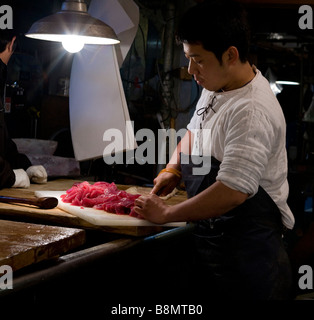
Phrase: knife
{"type": "Point", "coordinates": [42, 203]}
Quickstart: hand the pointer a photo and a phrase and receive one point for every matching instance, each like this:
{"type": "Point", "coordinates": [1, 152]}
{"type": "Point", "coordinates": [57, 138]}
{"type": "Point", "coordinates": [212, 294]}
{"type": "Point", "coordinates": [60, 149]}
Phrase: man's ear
{"type": "Point", "coordinates": [232, 55]}
{"type": "Point", "coordinates": [11, 43]}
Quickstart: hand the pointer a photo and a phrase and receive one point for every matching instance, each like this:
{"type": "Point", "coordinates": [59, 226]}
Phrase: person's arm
{"type": "Point", "coordinates": [17, 160]}
{"type": "Point", "coordinates": [165, 182]}
{"type": "Point", "coordinates": [246, 154]}
{"type": "Point", "coordinates": [7, 176]}
{"type": "Point", "coordinates": [184, 146]}
{"type": "Point", "coordinates": [212, 202]}
{"type": "Point", "coordinates": [20, 161]}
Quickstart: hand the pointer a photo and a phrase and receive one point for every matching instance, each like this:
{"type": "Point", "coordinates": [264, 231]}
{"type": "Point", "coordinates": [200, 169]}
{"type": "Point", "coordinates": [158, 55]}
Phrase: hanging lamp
{"type": "Point", "coordinates": [74, 27]}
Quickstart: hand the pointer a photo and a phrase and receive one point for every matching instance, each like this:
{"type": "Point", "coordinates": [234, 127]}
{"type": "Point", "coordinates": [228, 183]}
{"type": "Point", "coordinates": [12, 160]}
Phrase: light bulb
{"type": "Point", "coordinates": [73, 44]}
{"type": "Point", "coordinates": [288, 83]}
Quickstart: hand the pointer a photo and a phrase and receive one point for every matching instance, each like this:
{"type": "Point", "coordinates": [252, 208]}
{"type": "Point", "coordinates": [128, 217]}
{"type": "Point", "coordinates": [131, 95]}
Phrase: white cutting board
{"type": "Point", "coordinates": [100, 217]}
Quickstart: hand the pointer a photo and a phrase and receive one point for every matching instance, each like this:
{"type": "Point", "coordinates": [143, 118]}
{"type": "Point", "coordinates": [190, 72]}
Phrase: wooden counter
{"type": "Point", "coordinates": [23, 244]}
{"type": "Point", "coordinates": [61, 218]}
{"type": "Point", "coordinates": [75, 272]}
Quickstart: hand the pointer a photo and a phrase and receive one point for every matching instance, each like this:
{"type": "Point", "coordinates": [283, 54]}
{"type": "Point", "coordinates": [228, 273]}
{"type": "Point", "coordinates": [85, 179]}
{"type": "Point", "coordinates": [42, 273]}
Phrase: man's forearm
{"type": "Point", "coordinates": [183, 146]}
{"type": "Point", "coordinates": [212, 202]}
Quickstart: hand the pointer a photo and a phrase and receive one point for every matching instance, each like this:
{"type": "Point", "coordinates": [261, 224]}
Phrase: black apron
{"type": "Point", "coordinates": [239, 255]}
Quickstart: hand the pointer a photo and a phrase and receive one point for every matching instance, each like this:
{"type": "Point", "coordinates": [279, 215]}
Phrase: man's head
{"type": "Point", "coordinates": [7, 44]}
{"type": "Point", "coordinates": [215, 39]}
{"type": "Point", "coordinates": [216, 25]}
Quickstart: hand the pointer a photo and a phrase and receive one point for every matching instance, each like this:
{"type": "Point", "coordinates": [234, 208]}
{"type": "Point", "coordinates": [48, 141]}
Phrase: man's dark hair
{"type": "Point", "coordinates": [217, 25]}
{"type": "Point", "coordinates": [6, 36]}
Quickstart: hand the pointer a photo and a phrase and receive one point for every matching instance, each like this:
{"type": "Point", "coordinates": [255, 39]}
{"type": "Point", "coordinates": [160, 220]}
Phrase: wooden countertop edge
{"type": "Point", "coordinates": [67, 263]}
{"type": "Point", "coordinates": [69, 221]}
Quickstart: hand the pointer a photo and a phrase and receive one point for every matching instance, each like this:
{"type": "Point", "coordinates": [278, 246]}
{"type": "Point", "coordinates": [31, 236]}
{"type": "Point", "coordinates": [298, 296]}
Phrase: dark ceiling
{"type": "Point", "coordinates": [278, 42]}
{"type": "Point", "coordinates": [266, 15]}
{"type": "Point", "coordinates": [274, 22]}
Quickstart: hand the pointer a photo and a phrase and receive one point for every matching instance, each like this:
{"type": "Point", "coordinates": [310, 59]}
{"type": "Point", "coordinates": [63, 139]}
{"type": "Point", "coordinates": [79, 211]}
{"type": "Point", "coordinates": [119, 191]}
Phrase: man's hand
{"type": "Point", "coordinates": [37, 174]}
{"type": "Point", "coordinates": [164, 183]}
{"type": "Point", "coordinates": [152, 208]}
{"type": "Point", "coordinates": [21, 179]}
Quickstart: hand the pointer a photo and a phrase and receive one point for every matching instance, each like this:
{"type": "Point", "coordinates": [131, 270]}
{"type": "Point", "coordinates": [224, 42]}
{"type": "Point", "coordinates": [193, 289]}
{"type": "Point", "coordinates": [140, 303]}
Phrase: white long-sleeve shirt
{"type": "Point", "coordinates": [248, 136]}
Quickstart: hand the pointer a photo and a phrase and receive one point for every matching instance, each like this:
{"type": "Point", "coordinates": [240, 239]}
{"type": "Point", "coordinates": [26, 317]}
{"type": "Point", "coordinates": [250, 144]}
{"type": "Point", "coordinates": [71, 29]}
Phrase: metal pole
{"type": "Point", "coordinates": [167, 85]}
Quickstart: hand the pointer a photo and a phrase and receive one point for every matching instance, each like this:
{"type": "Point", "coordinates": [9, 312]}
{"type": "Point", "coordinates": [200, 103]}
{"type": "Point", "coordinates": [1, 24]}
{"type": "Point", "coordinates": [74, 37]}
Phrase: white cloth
{"type": "Point", "coordinates": [21, 179]}
{"type": "Point", "coordinates": [37, 174]}
{"type": "Point", "coordinates": [248, 136]}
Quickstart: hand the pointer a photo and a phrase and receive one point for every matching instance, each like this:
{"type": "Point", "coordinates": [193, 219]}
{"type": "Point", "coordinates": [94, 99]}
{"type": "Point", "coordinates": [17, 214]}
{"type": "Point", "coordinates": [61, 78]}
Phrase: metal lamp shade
{"type": "Point", "coordinates": [65, 23]}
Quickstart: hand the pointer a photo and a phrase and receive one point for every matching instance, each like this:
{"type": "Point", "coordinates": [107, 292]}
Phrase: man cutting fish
{"type": "Point", "coordinates": [240, 207]}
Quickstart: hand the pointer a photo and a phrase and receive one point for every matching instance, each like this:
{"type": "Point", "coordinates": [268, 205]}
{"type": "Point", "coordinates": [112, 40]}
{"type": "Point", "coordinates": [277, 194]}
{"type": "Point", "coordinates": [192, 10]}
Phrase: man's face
{"type": "Point", "coordinates": [205, 67]}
